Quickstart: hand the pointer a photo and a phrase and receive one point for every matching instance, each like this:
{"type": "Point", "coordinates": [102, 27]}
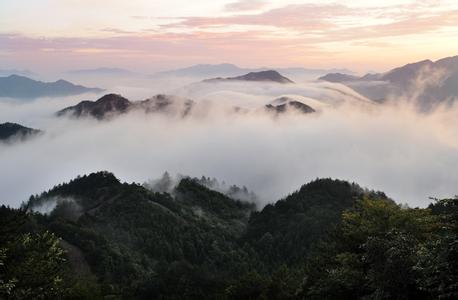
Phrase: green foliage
{"type": "Point", "coordinates": [33, 266]}
{"type": "Point", "coordinates": [249, 286]}
{"type": "Point", "coordinates": [84, 289]}
{"type": "Point", "coordinates": [438, 263]}
{"type": "Point", "coordinates": [375, 253]}
{"type": "Point", "coordinates": [282, 283]}
{"type": "Point", "coordinates": [331, 239]}
{"type": "Point", "coordinates": [134, 239]}
{"type": "Point", "coordinates": [6, 285]}
{"type": "Point", "coordinates": [287, 231]}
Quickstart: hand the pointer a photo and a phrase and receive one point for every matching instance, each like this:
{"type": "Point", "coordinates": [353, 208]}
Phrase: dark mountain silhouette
{"type": "Point", "coordinates": [15, 86]}
{"type": "Point", "coordinates": [266, 76]}
{"type": "Point", "coordinates": [108, 105]}
{"type": "Point", "coordinates": [166, 103]}
{"type": "Point", "coordinates": [112, 105]}
{"type": "Point", "coordinates": [284, 104]}
{"type": "Point", "coordinates": [10, 131]}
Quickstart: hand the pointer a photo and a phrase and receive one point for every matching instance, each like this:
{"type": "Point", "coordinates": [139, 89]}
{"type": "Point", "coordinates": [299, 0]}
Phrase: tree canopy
{"type": "Point", "coordinates": [96, 237]}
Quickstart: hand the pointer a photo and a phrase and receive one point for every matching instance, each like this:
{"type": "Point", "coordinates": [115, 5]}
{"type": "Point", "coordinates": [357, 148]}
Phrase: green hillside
{"type": "Point", "coordinates": [96, 237]}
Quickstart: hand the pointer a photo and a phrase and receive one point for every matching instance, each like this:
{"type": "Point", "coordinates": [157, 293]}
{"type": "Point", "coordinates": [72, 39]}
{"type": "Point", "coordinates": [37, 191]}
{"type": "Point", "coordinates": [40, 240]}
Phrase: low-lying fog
{"type": "Point", "coordinates": [392, 148]}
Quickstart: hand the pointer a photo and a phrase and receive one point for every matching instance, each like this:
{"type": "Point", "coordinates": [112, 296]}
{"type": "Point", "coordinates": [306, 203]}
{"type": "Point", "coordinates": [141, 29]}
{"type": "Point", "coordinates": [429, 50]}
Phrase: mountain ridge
{"type": "Point", "coordinates": [329, 237]}
{"type": "Point", "coordinates": [111, 71]}
{"type": "Point", "coordinates": [230, 70]}
{"type": "Point", "coordinates": [10, 131]}
{"type": "Point", "coordinates": [15, 86]}
{"type": "Point", "coordinates": [111, 105]}
{"type": "Point", "coordinates": [429, 83]}
{"type": "Point", "coordinates": [261, 76]}
{"type": "Point", "coordinates": [284, 104]}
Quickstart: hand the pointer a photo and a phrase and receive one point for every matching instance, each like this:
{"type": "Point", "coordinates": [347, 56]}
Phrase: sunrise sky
{"type": "Point", "coordinates": [152, 35]}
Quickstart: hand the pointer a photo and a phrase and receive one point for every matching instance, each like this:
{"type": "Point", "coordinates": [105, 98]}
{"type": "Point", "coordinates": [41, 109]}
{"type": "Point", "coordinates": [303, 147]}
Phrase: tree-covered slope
{"type": "Point", "coordinates": [96, 237]}
{"type": "Point", "coordinates": [131, 236]}
{"type": "Point", "coordinates": [284, 232]}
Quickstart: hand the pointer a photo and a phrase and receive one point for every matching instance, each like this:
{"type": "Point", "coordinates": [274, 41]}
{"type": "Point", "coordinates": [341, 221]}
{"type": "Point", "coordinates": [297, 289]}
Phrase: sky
{"type": "Point", "coordinates": [148, 36]}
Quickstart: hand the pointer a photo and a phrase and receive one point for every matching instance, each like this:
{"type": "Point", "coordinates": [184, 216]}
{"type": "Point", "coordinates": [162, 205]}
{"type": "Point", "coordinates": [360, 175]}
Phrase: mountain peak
{"type": "Point", "coordinates": [269, 75]}
{"type": "Point", "coordinates": [16, 76]}
{"type": "Point", "coordinates": [111, 105]}
{"type": "Point", "coordinates": [284, 104]}
{"type": "Point", "coordinates": [338, 77]}
{"type": "Point", "coordinates": [111, 98]}
{"type": "Point", "coordinates": [107, 105]}
{"type": "Point", "coordinates": [62, 81]}
{"type": "Point", "coordinates": [10, 130]}
{"type": "Point", "coordinates": [405, 73]}
{"type": "Point", "coordinates": [265, 76]}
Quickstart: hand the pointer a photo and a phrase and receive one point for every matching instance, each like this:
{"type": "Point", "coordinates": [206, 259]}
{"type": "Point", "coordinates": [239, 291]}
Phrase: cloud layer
{"type": "Point", "coordinates": [391, 148]}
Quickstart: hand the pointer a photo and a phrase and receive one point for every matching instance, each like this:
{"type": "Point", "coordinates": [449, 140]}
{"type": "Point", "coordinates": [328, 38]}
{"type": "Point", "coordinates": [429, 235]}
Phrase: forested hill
{"type": "Point", "coordinates": [97, 237]}
{"type": "Point", "coordinates": [285, 232]}
{"type": "Point", "coordinates": [10, 132]}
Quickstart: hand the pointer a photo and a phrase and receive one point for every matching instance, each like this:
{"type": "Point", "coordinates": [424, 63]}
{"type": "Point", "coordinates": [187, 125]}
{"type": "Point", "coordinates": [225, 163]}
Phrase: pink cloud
{"type": "Point", "coordinates": [327, 19]}
{"type": "Point", "coordinates": [244, 5]}
{"type": "Point", "coordinates": [303, 16]}
{"type": "Point", "coordinates": [150, 51]}
{"type": "Point", "coordinates": [310, 29]}
{"type": "Point", "coordinates": [411, 25]}
{"type": "Point", "coordinates": [116, 30]}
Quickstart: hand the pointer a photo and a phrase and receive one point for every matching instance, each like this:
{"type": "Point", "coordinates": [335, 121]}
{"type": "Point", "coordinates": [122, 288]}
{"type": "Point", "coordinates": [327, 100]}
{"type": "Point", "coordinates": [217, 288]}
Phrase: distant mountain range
{"type": "Point", "coordinates": [265, 76]}
{"type": "Point", "coordinates": [15, 86]}
{"type": "Point", "coordinates": [13, 131]}
{"type": "Point", "coordinates": [229, 70]}
{"type": "Point", "coordinates": [426, 82]}
{"type": "Point", "coordinates": [205, 70]}
{"type": "Point", "coordinates": [200, 71]}
{"type": "Point", "coordinates": [102, 72]}
{"type": "Point", "coordinates": [8, 72]}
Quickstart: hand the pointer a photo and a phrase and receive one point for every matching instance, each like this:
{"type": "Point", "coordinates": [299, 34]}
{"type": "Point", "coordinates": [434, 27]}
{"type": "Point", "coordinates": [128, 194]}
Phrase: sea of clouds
{"type": "Point", "coordinates": [392, 147]}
